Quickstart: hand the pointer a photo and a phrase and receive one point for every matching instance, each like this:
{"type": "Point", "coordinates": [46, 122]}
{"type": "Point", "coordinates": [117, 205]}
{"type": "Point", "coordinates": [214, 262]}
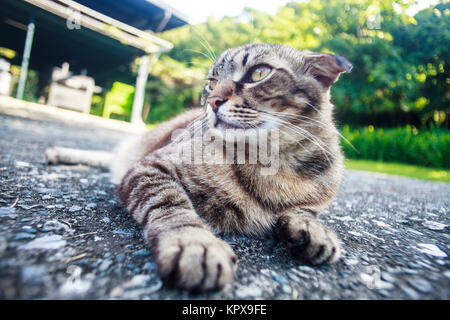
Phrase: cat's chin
{"type": "Point", "coordinates": [224, 129]}
{"type": "Point", "coordinates": [222, 125]}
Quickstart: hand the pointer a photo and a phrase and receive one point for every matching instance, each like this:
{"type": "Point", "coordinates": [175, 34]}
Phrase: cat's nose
{"type": "Point", "coordinates": [216, 101]}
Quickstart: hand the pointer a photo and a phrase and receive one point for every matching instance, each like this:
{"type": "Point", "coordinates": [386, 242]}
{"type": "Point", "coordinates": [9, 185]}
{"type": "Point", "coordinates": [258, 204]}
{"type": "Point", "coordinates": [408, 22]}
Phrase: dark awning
{"type": "Point", "coordinates": [101, 52]}
{"type": "Point", "coordinates": [141, 14]}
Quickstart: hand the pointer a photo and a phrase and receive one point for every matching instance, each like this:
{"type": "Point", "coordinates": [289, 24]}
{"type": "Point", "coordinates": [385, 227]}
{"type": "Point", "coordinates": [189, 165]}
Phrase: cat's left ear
{"type": "Point", "coordinates": [326, 67]}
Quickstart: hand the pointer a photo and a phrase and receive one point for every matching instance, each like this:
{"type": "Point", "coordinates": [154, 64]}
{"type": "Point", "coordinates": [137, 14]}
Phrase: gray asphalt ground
{"type": "Point", "coordinates": [64, 234]}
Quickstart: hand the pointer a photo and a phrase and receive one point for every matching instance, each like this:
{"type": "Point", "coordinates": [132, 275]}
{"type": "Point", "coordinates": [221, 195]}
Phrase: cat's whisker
{"type": "Point", "coordinates": [298, 133]}
{"type": "Point", "coordinates": [307, 135]}
{"type": "Point", "coordinates": [199, 64]}
{"type": "Point", "coordinates": [198, 125]}
{"type": "Point", "coordinates": [325, 152]}
{"type": "Point", "coordinates": [296, 116]}
{"type": "Point", "coordinates": [306, 123]}
{"type": "Point", "coordinates": [337, 131]}
{"type": "Point", "coordinates": [194, 126]}
{"type": "Point", "coordinates": [202, 53]}
{"type": "Point", "coordinates": [208, 46]}
{"type": "Point", "coordinates": [210, 50]}
{"type": "Point", "coordinates": [254, 28]}
{"type": "Point", "coordinates": [318, 143]}
{"type": "Point", "coordinates": [280, 121]}
{"type": "Point", "coordinates": [190, 62]}
{"type": "Point", "coordinates": [210, 53]}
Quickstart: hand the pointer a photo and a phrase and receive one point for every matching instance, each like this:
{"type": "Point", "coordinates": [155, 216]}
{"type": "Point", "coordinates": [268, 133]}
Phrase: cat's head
{"type": "Point", "coordinates": [267, 85]}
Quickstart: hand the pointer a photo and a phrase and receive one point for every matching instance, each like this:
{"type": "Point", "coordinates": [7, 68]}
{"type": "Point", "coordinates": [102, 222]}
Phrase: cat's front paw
{"type": "Point", "coordinates": [195, 261]}
{"type": "Point", "coordinates": [309, 240]}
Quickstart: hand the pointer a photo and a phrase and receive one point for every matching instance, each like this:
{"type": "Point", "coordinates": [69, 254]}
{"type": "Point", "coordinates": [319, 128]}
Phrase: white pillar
{"type": "Point", "coordinates": [25, 60]}
{"type": "Point", "coordinates": [138, 101]}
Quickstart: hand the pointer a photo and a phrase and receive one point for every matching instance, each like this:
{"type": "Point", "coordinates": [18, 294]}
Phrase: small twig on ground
{"type": "Point", "coordinates": [14, 204]}
{"type": "Point", "coordinates": [80, 235]}
{"type": "Point", "coordinates": [76, 258]}
{"type": "Point", "coordinates": [66, 222]}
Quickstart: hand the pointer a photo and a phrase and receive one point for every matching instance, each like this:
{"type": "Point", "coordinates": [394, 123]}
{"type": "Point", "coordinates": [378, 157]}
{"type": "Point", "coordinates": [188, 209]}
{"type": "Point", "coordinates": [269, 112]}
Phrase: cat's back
{"type": "Point", "coordinates": [161, 135]}
{"type": "Point", "coordinates": [131, 150]}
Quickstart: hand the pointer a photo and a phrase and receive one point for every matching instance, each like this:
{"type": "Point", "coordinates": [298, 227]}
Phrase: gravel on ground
{"type": "Point", "coordinates": [65, 235]}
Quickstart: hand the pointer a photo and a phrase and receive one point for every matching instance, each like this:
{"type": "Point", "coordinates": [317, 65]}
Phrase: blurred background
{"type": "Point", "coordinates": [144, 61]}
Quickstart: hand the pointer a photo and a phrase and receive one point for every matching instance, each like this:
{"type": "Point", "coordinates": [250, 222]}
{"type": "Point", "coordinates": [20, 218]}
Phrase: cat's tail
{"type": "Point", "coordinates": [117, 162]}
{"type": "Point", "coordinates": [95, 158]}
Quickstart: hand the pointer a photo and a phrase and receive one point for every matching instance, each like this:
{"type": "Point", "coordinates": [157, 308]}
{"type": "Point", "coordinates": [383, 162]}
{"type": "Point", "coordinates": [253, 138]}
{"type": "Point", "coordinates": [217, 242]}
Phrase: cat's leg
{"type": "Point", "coordinates": [306, 238]}
{"type": "Point", "coordinates": [188, 255]}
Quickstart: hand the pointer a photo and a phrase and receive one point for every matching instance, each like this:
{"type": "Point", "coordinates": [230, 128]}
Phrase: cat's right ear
{"type": "Point", "coordinates": [326, 67]}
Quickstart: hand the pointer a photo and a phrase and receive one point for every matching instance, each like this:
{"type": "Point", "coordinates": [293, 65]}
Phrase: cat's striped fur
{"type": "Point", "coordinates": [181, 206]}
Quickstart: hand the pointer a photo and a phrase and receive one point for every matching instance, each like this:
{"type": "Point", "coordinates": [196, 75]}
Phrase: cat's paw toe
{"type": "Point", "coordinates": [309, 240]}
{"type": "Point", "coordinates": [198, 265]}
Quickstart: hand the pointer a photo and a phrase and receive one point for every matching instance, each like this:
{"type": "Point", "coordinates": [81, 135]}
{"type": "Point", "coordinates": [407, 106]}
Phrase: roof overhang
{"type": "Point", "coordinates": [98, 22]}
{"type": "Point", "coordinates": [102, 44]}
{"type": "Point", "coordinates": [153, 15]}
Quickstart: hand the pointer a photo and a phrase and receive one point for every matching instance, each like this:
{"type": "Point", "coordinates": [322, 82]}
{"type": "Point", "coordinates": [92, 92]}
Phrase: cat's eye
{"type": "Point", "coordinates": [212, 83]}
{"type": "Point", "coordinates": [260, 73]}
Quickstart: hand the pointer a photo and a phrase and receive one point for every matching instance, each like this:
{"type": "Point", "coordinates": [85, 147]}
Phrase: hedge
{"type": "Point", "coordinates": [428, 147]}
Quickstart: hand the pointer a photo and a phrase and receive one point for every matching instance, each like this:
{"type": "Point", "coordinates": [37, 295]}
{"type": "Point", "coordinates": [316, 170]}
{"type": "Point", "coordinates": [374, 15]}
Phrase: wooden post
{"type": "Point", "coordinates": [25, 59]}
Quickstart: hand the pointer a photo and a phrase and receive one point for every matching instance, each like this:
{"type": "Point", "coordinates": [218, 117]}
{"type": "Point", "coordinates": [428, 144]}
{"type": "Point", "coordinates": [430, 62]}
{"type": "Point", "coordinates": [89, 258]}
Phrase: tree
{"type": "Point", "coordinates": [400, 62]}
{"type": "Point", "coordinates": [425, 46]}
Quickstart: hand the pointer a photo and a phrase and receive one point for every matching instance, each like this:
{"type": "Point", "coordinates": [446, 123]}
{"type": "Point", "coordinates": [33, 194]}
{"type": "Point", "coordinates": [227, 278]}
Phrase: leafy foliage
{"type": "Point", "coordinates": [31, 87]}
{"type": "Point", "coordinates": [400, 73]}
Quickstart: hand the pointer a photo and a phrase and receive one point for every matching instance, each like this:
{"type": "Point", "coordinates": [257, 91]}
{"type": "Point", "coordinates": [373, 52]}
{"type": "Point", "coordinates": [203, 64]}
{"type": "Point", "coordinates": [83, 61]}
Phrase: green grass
{"type": "Point", "coordinates": [399, 169]}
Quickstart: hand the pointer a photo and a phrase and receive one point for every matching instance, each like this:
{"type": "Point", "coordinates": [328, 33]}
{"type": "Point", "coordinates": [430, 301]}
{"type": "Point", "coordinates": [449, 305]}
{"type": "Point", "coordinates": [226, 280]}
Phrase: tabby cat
{"type": "Point", "coordinates": [183, 205]}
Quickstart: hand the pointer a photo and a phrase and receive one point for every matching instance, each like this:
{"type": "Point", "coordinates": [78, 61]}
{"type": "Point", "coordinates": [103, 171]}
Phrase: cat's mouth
{"type": "Point", "coordinates": [222, 124]}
